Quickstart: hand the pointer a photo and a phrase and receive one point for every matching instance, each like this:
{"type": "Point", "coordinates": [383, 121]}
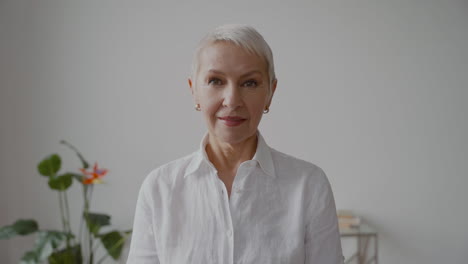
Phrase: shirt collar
{"type": "Point", "coordinates": [262, 156]}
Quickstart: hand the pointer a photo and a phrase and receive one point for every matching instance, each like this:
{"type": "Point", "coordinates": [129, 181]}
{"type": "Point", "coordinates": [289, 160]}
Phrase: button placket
{"type": "Point", "coordinates": [240, 177]}
{"type": "Point", "coordinates": [229, 224]}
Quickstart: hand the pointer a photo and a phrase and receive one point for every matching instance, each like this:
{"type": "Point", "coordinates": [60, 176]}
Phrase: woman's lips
{"type": "Point", "coordinates": [232, 121]}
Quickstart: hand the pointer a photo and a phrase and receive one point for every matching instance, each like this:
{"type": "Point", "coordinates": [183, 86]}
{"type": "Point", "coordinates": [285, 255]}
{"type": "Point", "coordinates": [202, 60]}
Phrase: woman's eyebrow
{"type": "Point", "coordinates": [251, 72]}
{"type": "Point", "coordinates": [215, 71]}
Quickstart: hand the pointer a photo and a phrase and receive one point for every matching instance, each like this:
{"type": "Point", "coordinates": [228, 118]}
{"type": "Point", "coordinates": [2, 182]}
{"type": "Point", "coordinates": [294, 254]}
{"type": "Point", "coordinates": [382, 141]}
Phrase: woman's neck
{"type": "Point", "coordinates": [228, 157]}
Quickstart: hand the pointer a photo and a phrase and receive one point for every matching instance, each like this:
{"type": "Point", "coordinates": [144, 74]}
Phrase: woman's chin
{"type": "Point", "coordinates": [232, 136]}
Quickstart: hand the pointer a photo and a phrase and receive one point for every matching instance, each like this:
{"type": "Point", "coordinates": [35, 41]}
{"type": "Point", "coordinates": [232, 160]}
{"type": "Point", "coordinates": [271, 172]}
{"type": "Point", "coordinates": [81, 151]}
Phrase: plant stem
{"type": "Point", "coordinates": [67, 215]}
{"type": "Point", "coordinates": [96, 247]}
{"type": "Point", "coordinates": [63, 217]}
{"type": "Point", "coordinates": [82, 216]}
{"type": "Point", "coordinates": [89, 190]}
{"type": "Point", "coordinates": [83, 161]}
{"type": "Point", "coordinates": [91, 253]}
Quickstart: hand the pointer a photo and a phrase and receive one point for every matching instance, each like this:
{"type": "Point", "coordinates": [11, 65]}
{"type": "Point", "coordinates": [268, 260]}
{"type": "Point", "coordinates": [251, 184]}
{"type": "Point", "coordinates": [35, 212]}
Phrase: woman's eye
{"type": "Point", "coordinates": [251, 83]}
{"type": "Point", "coordinates": [214, 81]}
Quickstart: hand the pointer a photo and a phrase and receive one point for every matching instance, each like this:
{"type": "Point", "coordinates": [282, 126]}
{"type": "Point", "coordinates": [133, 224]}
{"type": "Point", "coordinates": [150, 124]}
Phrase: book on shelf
{"type": "Point", "coordinates": [347, 219]}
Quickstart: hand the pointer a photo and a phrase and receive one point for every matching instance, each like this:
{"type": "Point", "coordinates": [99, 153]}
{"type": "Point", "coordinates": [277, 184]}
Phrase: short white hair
{"type": "Point", "coordinates": [241, 35]}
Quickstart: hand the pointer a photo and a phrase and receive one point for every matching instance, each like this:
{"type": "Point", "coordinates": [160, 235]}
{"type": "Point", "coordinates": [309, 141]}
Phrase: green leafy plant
{"type": "Point", "coordinates": [63, 246]}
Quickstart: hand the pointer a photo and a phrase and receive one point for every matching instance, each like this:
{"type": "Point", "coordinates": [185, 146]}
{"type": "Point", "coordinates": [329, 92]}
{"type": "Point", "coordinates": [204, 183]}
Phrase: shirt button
{"type": "Point", "coordinates": [229, 233]}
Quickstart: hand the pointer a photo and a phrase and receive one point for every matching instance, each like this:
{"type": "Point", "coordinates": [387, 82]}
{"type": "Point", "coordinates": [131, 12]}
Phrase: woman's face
{"type": "Point", "coordinates": [232, 88]}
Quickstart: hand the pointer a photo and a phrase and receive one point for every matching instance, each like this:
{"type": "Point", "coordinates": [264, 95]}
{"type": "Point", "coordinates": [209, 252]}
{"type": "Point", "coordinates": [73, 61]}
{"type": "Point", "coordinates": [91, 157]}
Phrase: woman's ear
{"type": "Point", "coordinates": [192, 90]}
{"type": "Point", "coordinates": [273, 89]}
{"type": "Point", "coordinates": [190, 85]}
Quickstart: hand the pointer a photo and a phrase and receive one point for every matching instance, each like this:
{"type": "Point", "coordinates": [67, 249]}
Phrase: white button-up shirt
{"type": "Point", "coordinates": [281, 210]}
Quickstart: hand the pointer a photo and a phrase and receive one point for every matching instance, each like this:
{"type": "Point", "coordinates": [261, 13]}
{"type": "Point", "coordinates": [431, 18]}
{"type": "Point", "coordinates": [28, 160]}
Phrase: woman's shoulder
{"type": "Point", "coordinates": [309, 175]}
{"type": "Point", "coordinates": [282, 159]}
{"type": "Point", "coordinates": [287, 164]}
{"type": "Point", "coordinates": [168, 172]}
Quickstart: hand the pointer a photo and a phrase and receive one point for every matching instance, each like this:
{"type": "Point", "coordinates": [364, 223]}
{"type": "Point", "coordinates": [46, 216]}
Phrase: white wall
{"type": "Point", "coordinates": [374, 92]}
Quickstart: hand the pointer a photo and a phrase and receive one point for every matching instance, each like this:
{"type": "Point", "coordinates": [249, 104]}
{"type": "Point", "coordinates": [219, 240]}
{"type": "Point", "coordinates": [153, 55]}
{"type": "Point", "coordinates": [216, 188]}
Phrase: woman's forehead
{"type": "Point", "coordinates": [223, 56]}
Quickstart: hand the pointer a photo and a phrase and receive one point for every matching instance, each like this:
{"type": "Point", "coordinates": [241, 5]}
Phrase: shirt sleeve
{"type": "Point", "coordinates": [143, 244]}
{"type": "Point", "coordinates": [322, 240]}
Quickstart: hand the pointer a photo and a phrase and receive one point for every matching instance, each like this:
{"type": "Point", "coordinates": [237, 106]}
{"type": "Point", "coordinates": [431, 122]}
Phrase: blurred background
{"type": "Point", "coordinates": [374, 92]}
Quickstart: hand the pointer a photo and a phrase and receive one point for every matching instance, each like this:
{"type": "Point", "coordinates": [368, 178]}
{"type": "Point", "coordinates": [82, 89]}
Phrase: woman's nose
{"type": "Point", "coordinates": [232, 97]}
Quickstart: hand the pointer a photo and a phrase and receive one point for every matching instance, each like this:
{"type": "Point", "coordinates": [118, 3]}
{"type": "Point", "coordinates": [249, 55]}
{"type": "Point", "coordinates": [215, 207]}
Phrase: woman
{"type": "Point", "coordinates": [235, 200]}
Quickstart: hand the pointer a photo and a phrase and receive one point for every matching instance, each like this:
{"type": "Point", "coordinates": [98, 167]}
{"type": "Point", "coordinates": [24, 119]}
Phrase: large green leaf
{"type": "Point", "coordinates": [96, 221]}
{"type": "Point", "coordinates": [29, 257]}
{"type": "Point", "coordinates": [67, 256]}
{"type": "Point", "coordinates": [46, 242]}
{"type": "Point", "coordinates": [113, 242]}
{"type": "Point", "coordinates": [62, 182]}
{"type": "Point", "coordinates": [20, 227]}
{"type": "Point", "coordinates": [50, 165]}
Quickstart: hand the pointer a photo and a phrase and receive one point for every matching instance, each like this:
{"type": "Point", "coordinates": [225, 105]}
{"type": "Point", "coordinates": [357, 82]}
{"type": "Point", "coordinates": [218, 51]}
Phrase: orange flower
{"type": "Point", "coordinates": [96, 175]}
